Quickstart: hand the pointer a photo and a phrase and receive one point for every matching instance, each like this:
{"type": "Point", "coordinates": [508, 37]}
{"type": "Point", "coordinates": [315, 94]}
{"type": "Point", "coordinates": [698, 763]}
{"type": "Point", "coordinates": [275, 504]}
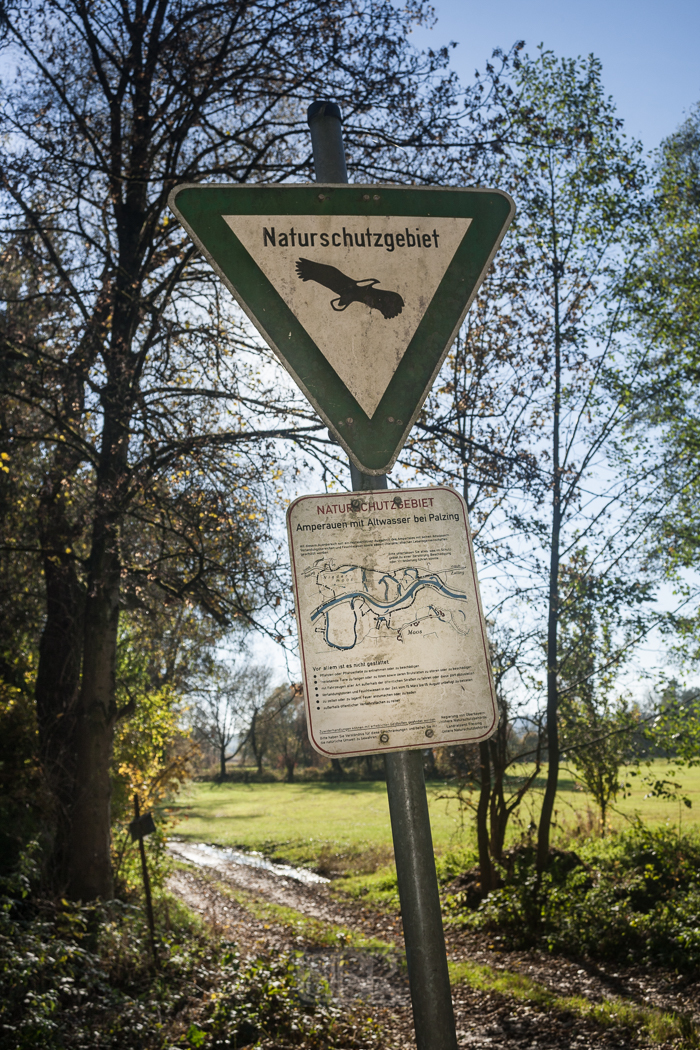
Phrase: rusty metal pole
{"type": "Point", "coordinates": [433, 1015]}
{"type": "Point", "coordinates": [147, 888]}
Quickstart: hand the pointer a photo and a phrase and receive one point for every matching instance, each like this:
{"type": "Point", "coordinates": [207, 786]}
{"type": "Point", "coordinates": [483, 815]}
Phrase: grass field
{"type": "Point", "coordinates": [346, 826]}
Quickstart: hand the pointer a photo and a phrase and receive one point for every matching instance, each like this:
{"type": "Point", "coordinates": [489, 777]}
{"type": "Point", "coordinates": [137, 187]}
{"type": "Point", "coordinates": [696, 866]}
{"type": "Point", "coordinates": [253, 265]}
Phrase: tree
{"type": "Point", "coordinates": [260, 715]}
{"type": "Point", "coordinates": [221, 706]}
{"type": "Point", "coordinates": [665, 293]}
{"type": "Point", "coordinates": [288, 722]}
{"type": "Point", "coordinates": [149, 427]}
{"type": "Point", "coordinates": [597, 725]}
{"type": "Point", "coordinates": [487, 766]}
{"type": "Point", "coordinates": [672, 731]}
{"type": "Point", "coordinates": [23, 800]}
{"type": "Point", "coordinates": [605, 726]}
{"type": "Point", "coordinates": [665, 284]}
{"type": "Point", "coordinates": [544, 368]}
{"type": "Point", "coordinates": [502, 752]}
{"type": "Point", "coordinates": [582, 201]}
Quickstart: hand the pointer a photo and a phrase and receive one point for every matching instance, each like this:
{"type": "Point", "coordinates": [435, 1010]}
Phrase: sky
{"type": "Point", "coordinates": [650, 51]}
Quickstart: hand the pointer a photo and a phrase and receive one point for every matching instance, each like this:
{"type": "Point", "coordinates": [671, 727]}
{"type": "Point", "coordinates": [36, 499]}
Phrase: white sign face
{"type": "Point", "coordinates": [359, 286]}
{"type": "Point", "coordinates": [391, 632]}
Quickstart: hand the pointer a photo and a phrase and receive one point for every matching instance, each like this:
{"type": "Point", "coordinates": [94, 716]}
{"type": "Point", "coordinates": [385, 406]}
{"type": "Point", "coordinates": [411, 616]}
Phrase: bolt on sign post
{"type": "Point", "coordinates": [360, 291]}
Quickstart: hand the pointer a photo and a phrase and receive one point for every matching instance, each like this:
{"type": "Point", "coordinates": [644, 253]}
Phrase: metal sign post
{"type": "Point", "coordinates": [429, 980]}
{"type": "Point", "coordinates": [360, 291]}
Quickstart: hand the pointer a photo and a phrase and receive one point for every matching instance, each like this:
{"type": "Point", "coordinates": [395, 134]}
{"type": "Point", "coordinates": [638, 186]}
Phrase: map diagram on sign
{"type": "Point", "coordinates": [361, 604]}
{"type": "Point", "coordinates": [392, 636]}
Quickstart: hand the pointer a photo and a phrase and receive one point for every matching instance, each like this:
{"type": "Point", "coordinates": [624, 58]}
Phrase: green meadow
{"type": "Point", "coordinates": [345, 826]}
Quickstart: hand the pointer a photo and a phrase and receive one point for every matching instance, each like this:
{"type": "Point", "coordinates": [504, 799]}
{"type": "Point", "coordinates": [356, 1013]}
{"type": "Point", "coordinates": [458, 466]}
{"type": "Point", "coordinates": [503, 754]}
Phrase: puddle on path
{"type": "Point", "coordinates": [206, 856]}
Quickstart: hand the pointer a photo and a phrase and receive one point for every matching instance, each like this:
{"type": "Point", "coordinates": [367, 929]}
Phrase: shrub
{"type": "Point", "coordinates": [634, 897]}
{"type": "Point", "coordinates": [83, 976]}
{"type": "Point", "coordinates": [262, 1003]}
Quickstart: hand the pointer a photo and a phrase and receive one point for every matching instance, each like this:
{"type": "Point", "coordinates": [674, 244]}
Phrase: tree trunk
{"type": "Point", "coordinates": [290, 763]}
{"type": "Point", "coordinates": [255, 745]}
{"type": "Point", "coordinates": [58, 672]}
{"type": "Point", "coordinates": [498, 810]}
{"type": "Point", "coordinates": [482, 834]}
{"type": "Point", "coordinates": [550, 791]}
{"type": "Point", "coordinates": [429, 764]}
{"type": "Point", "coordinates": [57, 690]}
{"type": "Point", "coordinates": [89, 862]}
{"type": "Point", "coordinates": [222, 763]}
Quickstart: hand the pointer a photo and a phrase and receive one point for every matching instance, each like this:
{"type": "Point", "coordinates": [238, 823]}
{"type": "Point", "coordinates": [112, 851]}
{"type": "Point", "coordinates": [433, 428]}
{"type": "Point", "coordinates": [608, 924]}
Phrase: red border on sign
{"type": "Point", "coordinates": [307, 698]}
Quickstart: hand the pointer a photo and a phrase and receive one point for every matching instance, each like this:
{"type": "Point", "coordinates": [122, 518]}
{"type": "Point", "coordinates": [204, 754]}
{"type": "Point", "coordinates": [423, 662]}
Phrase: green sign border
{"type": "Point", "coordinates": [373, 444]}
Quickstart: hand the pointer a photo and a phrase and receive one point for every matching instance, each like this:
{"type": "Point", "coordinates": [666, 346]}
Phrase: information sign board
{"type": "Point", "coordinates": [392, 634]}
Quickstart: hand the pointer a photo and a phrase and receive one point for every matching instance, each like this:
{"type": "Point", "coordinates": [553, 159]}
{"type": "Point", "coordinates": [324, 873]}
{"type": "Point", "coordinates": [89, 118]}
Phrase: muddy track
{"type": "Point", "coordinates": [378, 985]}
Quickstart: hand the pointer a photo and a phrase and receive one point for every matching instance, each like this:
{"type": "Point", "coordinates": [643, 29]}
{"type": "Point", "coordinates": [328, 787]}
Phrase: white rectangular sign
{"type": "Point", "coordinates": [391, 631]}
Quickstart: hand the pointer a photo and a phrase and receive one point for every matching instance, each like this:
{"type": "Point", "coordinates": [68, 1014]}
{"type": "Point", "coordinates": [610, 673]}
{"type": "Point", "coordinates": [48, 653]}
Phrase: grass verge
{"type": "Point", "coordinates": [658, 1026]}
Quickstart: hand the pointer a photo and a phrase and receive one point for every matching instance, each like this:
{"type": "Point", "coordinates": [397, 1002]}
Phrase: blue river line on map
{"type": "Point", "coordinates": [403, 585]}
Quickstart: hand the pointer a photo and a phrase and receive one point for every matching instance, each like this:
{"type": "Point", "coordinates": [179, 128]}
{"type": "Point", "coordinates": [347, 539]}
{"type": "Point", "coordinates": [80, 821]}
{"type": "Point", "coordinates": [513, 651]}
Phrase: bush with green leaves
{"type": "Point", "coordinates": [74, 976]}
{"type": "Point", "coordinates": [634, 898]}
{"type": "Point", "coordinates": [261, 1006]}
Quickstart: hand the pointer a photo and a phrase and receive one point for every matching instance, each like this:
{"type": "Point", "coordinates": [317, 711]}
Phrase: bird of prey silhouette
{"type": "Point", "coordinates": [390, 304]}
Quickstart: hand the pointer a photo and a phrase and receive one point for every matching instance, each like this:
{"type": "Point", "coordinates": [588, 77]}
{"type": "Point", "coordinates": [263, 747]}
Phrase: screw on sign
{"type": "Point", "coordinates": [360, 291]}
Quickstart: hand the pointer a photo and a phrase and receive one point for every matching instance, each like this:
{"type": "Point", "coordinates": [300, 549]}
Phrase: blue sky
{"type": "Point", "coordinates": [650, 51]}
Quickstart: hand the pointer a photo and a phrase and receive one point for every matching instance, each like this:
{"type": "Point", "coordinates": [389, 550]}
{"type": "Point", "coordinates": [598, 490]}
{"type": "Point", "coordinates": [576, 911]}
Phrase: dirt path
{"type": "Point", "coordinates": [484, 1018]}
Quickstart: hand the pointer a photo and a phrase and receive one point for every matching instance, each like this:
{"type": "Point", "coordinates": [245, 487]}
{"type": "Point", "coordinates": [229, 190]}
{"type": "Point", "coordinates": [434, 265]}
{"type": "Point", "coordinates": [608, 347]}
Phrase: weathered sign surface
{"type": "Point", "coordinates": [392, 634]}
{"type": "Point", "coordinates": [360, 290]}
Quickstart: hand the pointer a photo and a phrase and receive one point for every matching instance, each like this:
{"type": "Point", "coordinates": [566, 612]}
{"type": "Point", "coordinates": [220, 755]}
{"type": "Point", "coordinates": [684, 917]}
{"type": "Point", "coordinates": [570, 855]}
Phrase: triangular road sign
{"type": "Point", "coordinates": [359, 290]}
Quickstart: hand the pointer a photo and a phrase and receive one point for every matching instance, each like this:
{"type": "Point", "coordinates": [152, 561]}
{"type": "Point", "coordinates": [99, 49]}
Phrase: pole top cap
{"type": "Point", "coordinates": [323, 109]}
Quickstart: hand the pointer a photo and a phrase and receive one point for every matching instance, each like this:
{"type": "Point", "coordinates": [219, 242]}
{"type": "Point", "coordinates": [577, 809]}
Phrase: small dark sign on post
{"type": "Point", "coordinates": [142, 826]}
{"type": "Point", "coordinates": [139, 827]}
